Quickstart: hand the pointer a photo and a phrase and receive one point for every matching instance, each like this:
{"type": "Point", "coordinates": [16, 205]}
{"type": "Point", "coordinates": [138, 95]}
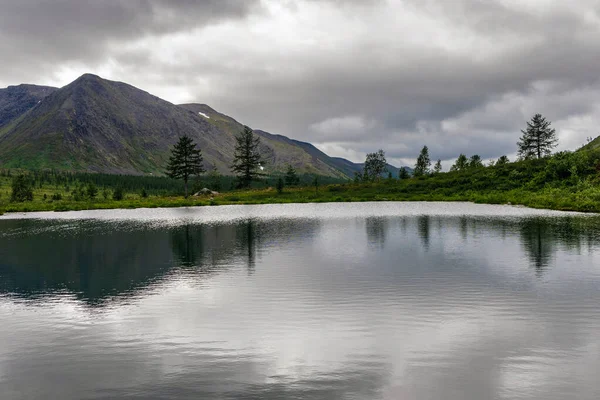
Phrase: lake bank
{"type": "Point", "coordinates": [560, 199]}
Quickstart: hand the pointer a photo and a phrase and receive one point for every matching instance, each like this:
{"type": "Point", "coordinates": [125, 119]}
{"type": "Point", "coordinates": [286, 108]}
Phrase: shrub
{"type": "Point", "coordinates": [118, 194]}
{"type": "Point", "coordinates": [21, 189]}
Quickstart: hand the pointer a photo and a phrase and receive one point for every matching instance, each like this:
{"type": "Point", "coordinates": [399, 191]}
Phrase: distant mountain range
{"type": "Point", "coordinates": [97, 125]}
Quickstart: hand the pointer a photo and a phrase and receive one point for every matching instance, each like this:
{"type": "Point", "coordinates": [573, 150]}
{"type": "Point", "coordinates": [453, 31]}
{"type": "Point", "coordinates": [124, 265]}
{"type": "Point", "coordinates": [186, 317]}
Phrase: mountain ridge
{"type": "Point", "coordinates": [98, 125]}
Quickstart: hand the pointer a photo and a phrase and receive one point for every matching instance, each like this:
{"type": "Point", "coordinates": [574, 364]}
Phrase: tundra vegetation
{"type": "Point", "coordinates": [566, 180]}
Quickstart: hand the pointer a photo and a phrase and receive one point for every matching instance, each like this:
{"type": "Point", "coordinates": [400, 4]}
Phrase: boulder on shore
{"type": "Point", "coordinates": [205, 191]}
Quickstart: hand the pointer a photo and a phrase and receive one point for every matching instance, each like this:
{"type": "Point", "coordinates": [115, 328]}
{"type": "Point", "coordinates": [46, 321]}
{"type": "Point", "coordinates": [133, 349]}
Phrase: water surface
{"type": "Point", "coordinates": [325, 301]}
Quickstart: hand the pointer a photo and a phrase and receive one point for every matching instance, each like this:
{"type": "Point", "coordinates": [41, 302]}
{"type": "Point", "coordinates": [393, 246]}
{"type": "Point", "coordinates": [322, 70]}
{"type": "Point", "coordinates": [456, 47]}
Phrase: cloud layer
{"type": "Point", "coordinates": [349, 76]}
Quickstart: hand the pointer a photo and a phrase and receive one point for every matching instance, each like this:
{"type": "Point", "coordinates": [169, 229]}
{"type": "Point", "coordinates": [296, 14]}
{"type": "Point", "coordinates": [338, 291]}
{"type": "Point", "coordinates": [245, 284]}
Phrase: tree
{"type": "Point", "coordinates": [118, 194]}
{"type": "Point", "coordinates": [91, 191]}
{"type": "Point", "coordinates": [315, 183]}
{"type": "Point", "coordinates": [461, 163]}
{"type": "Point", "coordinates": [185, 161]}
{"type": "Point", "coordinates": [475, 161]}
{"type": "Point", "coordinates": [538, 139]}
{"type": "Point", "coordinates": [280, 185]}
{"type": "Point", "coordinates": [291, 178]}
{"type": "Point", "coordinates": [503, 160]}
{"type": "Point", "coordinates": [423, 163]}
{"type": "Point", "coordinates": [246, 160]}
{"type": "Point", "coordinates": [375, 165]}
{"type": "Point", "coordinates": [358, 177]}
{"type": "Point", "coordinates": [437, 168]}
{"type": "Point", "coordinates": [403, 173]}
{"type": "Point", "coordinates": [22, 189]}
{"type": "Point", "coordinates": [214, 179]}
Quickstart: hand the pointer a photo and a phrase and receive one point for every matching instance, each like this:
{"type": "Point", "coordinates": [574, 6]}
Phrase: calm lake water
{"type": "Point", "coordinates": [328, 301]}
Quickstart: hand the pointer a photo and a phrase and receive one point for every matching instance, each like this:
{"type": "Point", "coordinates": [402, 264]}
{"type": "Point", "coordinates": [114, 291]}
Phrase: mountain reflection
{"type": "Point", "coordinates": [100, 261]}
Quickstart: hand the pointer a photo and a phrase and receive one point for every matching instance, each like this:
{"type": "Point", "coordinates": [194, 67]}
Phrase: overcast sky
{"type": "Point", "coordinates": [350, 76]}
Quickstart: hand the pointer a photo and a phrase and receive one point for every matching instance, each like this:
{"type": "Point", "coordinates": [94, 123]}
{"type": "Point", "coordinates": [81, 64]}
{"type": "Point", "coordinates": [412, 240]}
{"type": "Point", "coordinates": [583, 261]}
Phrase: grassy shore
{"type": "Point", "coordinates": [566, 181]}
{"type": "Point", "coordinates": [585, 199]}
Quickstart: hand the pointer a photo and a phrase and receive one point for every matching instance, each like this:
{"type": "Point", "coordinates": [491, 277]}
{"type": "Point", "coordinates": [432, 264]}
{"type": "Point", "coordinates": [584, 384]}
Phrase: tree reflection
{"type": "Point", "coordinates": [376, 230]}
{"type": "Point", "coordinates": [424, 231]}
{"type": "Point", "coordinates": [537, 237]}
{"type": "Point", "coordinates": [187, 245]}
{"type": "Point", "coordinates": [247, 242]}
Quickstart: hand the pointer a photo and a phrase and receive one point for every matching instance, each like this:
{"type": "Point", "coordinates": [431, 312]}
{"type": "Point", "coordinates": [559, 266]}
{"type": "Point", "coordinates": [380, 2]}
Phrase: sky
{"type": "Point", "coordinates": [350, 76]}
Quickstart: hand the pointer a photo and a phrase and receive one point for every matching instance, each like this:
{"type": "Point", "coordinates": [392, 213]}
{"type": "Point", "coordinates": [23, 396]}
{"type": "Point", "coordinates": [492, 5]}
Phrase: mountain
{"type": "Point", "coordinates": [97, 125]}
{"type": "Point", "coordinates": [16, 100]}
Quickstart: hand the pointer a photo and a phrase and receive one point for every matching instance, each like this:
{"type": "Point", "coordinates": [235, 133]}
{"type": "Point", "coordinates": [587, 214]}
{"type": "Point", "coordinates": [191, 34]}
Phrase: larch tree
{"type": "Point", "coordinates": [538, 139]}
{"type": "Point", "coordinates": [247, 158]}
{"type": "Point", "coordinates": [475, 161]}
{"type": "Point", "coordinates": [423, 163]}
{"type": "Point", "coordinates": [185, 161]}
{"type": "Point", "coordinates": [462, 162]}
{"type": "Point", "coordinates": [503, 160]}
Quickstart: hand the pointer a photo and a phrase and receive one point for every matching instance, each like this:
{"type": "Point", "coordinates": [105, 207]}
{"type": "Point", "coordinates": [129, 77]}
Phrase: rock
{"type": "Point", "coordinates": [206, 191]}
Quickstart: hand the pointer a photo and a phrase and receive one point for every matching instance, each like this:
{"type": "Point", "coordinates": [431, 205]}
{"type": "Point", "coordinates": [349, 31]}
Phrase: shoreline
{"type": "Point", "coordinates": [222, 200]}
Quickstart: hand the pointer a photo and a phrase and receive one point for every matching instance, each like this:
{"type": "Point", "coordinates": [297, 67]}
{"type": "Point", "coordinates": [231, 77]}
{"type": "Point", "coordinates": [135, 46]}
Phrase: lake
{"type": "Point", "coordinates": [314, 301]}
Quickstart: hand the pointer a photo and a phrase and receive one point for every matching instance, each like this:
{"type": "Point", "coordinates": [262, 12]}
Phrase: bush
{"type": "Point", "coordinates": [144, 194]}
{"type": "Point", "coordinates": [118, 194]}
{"type": "Point", "coordinates": [22, 189]}
{"type": "Point", "coordinates": [91, 191]}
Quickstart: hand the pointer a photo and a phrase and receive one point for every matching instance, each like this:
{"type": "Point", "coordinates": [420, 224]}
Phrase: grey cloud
{"type": "Point", "coordinates": [459, 76]}
{"type": "Point", "coordinates": [41, 35]}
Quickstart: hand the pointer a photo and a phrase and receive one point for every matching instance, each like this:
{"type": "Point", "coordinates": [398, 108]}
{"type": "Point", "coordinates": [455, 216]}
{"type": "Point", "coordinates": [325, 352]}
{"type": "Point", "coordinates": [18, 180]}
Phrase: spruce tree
{"type": "Point", "coordinates": [22, 189]}
{"type": "Point", "coordinates": [437, 168]}
{"type": "Point", "coordinates": [291, 178]}
{"type": "Point", "coordinates": [403, 173]}
{"type": "Point", "coordinates": [423, 163]}
{"type": "Point", "coordinates": [185, 161]}
{"type": "Point", "coordinates": [246, 159]}
{"type": "Point", "coordinates": [538, 139]}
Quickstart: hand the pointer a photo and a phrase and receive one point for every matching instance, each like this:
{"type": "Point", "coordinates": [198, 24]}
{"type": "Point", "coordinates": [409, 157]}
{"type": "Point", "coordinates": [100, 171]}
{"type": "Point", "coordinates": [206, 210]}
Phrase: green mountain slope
{"type": "Point", "coordinates": [97, 125]}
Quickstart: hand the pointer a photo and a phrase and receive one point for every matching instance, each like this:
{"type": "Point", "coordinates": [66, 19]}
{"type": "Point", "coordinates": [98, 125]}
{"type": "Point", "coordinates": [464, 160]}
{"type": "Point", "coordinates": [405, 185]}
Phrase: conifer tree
{"type": "Point", "coordinates": [185, 161]}
{"type": "Point", "coordinates": [437, 168]}
{"type": "Point", "coordinates": [22, 189]}
{"type": "Point", "coordinates": [291, 178]}
{"type": "Point", "coordinates": [462, 162]}
{"type": "Point", "coordinates": [538, 139]}
{"type": "Point", "coordinates": [423, 163]}
{"type": "Point", "coordinates": [475, 161]}
{"type": "Point", "coordinates": [247, 158]}
{"type": "Point", "coordinates": [403, 173]}
{"type": "Point", "coordinates": [503, 160]}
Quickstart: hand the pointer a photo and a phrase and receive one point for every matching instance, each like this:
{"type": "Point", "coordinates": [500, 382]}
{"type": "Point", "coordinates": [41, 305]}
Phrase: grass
{"type": "Point", "coordinates": [565, 181]}
{"type": "Point", "coordinates": [585, 199]}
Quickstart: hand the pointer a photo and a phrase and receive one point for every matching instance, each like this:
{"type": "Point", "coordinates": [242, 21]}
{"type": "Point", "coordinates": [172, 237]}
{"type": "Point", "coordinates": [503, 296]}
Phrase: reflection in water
{"type": "Point", "coordinates": [536, 236]}
{"type": "Point", "coordinates": [287, 308]}
{"type": "Point", "coordinates": [376, 230]}
{"type": "Point", "coordinates": [248, 237]}
{"type": "Point", "coordinates": [423, 225]}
